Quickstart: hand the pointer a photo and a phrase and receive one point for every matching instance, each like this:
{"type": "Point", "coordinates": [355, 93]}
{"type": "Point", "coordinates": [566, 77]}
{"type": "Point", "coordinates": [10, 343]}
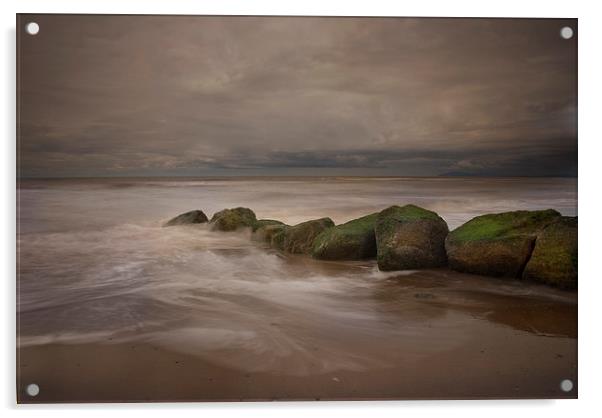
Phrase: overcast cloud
{"type": "Point", "coordinates": [123, 95]}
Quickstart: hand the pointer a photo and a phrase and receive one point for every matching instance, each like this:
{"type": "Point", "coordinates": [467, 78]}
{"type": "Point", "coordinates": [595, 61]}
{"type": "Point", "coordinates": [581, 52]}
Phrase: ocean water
{"type": "Point", "coordinates": [96, 266]}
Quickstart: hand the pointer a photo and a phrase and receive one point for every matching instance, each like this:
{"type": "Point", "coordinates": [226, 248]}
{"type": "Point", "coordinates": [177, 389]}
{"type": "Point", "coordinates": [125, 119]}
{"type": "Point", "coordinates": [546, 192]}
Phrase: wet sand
{"type": "Point", "coordinates": [519, 341]}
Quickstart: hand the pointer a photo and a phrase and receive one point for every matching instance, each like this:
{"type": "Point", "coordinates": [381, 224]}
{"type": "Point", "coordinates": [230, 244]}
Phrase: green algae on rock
{"type": "Point", "coordinates": [409, 237]}
{"type": "Point", "coordinates": [299, 239]}
{"type": "Point", "coordinates": [192, 217]}
{"type": "Point", "coordinates": [264, 231]}
{"type": "Point", "coordinates": [534, 245]}
{"type": "Point", "coordinates": [233, 219]}
{"type": "Point", "coordinates": [265, 222]}
{"type": "Point", "coordinates": [354, 240]}
{"type": "Point", "coordinates": [497, 244]}
{"type": "Point", "coordinates": [554, 258]}
{"type": "Point", "coordinates": [277, 236]}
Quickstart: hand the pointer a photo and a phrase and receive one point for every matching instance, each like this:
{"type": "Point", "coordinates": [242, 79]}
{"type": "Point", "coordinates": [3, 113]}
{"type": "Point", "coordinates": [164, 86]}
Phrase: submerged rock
{"type": "Point", "coordinates": [554, 258]}
{"type": "Point", "coordinates": [299, 239]}
{"type": "Point", "coordinates": [233, 219]}
{"type": "Point", "coordinates": [497, 244]}
{"type": "Point", "coordinates": [354, 240]}
{"type": "Point", "coordinates": [409, 237]}
{"type": "Point", "coordinates": [192, 217]}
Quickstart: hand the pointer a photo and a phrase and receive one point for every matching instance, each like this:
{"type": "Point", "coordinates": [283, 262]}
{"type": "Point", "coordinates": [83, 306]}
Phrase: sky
{"type": "Point", "coordinates": [210, 95]}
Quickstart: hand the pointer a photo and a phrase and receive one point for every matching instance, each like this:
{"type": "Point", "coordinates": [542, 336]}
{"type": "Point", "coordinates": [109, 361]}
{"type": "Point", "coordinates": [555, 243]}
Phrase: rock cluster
{"type": "Point", "coordinates": [535, 245]}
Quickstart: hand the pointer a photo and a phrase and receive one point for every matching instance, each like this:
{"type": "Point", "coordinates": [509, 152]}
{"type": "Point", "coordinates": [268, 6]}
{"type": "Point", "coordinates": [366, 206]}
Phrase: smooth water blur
{"type": "Point", "coordinates": [95, 265]}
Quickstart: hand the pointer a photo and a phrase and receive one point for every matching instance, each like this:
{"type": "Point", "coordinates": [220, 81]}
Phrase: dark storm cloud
{"type": "Point", "coordinates": [123, 95]}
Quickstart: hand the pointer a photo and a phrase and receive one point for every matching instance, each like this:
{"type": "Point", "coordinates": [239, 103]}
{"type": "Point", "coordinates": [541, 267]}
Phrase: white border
{"type": "Point", "coordinates": [470, 8]}
{"type": "Point", "coordinates": [590, 92]}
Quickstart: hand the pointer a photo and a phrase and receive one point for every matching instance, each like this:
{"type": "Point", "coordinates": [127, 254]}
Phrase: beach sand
{"type": "Point", "coordinates": [512, 347]}
{"type": "Point", "coordinates": [144, 373]}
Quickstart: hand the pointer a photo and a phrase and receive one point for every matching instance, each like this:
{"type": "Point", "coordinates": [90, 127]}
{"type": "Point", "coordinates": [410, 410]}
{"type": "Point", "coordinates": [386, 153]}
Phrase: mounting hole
{"type": "Point", "coordinates": [32, 389]}
{"type": "Point", "coordinates": [32, 28]}
{"type": "Point", "coordinates": [566, 32]}
{"type": "Point", "coordinates": [566, 385]}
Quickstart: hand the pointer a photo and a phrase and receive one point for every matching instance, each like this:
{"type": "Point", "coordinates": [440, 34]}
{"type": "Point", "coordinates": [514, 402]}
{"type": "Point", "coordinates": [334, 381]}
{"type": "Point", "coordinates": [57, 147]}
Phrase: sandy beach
{"type": "Point", "coordinates": [514, 345]}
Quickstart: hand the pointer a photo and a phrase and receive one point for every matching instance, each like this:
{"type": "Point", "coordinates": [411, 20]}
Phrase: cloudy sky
{"type": "Point", "coordinates": [161, 95]}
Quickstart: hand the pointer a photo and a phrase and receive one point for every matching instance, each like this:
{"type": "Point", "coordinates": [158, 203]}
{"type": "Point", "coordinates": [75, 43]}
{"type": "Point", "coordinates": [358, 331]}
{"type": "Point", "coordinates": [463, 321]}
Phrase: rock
{"type": "Point", "coordinates": [299, 239]}
{"type": "Point", "coordinates": [497, 244]}
{"type": "Point", "coordinates": [266, 231]}
{"type": "Point", "coordinates": [554, 258]}
{"type": "Point", "coordinates": [233, 219]}
{"type": "Point", "coordinates": [277, 236]}
{"type": "Point", "coordinates": [265, 222]}
{"type": "Point", "coordinates": [192, 217]}
{"type": "Point", "coordinates": [409, 237]}
{"type": "Point", "coordinates": [353, 240]}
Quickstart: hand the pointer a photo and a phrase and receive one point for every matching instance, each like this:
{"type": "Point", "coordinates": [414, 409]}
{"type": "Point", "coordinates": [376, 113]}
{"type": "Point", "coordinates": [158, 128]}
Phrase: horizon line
{"type": "Point", "coordinates": [272, 176]}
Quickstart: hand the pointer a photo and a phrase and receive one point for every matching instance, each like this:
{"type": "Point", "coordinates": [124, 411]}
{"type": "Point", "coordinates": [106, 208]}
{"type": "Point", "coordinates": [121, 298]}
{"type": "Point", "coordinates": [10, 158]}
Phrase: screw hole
{"type": "Point", "coordinates": [566, 32]}
{"type": "Point", "coordinates": [566, 385]}
{"type": "Point", "coordinates": [32, 389]}
{"type": "Point", "coordinates": [32, 28]}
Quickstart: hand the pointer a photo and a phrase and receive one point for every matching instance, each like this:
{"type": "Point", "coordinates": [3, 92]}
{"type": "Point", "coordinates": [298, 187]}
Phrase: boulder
{"type": "Point", "coordinates": [265, 222]}
{"type": "Point", "coordinates": [409, 237]}
{"type": "Point", "coordinates": [554, 258]}
{"type": "Point", "coordinates": [192, 217]}
{"type": "Point", "coordinates": [264, 231]}
{"type": "Point", "coordinates": [299, 239]}
{"type": "Point", "coordinates": [353, 240]}
{"type": "Point", "coordinates": [277, 236]}
{"type": "Point", "coordinates": [233, 219]}
{"type": "Point", "coordinates": [497, 244]}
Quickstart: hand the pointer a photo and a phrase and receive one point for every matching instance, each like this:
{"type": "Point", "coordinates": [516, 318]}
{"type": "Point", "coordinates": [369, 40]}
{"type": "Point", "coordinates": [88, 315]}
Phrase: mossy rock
{"type": "Point", "coordinates": [354, 240]}
{"type": "Point", "coordinates": [497, 244]}
{"type": "Point", "coordinates": [277, 236]}
{"type": "Point", "coordinates": [554, 258]}
{"type": "Point", "coordinates": [265, 222]}
{"type": "Point", "coordinates": [233, 219]}
{"type": "Point", "coordinates": [299, 239]}
{"type": "Point", "coordinates": [192, 217]}
{"type": "Point", "coordinates": [267, 230]}
{"type": "Point", "coordinates": [409, 237]}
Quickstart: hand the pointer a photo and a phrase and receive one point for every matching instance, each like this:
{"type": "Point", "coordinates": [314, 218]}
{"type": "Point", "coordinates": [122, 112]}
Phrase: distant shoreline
{"type": "Point", "coordinates": [226, 177]}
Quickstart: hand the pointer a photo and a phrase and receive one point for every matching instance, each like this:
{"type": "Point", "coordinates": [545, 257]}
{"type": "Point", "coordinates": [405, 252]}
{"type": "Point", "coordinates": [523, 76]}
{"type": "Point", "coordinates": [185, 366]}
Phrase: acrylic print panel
{"type": "Point", "coordinates": [296, 208]}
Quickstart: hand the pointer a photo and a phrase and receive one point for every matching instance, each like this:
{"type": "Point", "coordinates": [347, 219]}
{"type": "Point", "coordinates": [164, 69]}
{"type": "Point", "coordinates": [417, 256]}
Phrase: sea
{"type": "Point", "coordinates": [96, 265]}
